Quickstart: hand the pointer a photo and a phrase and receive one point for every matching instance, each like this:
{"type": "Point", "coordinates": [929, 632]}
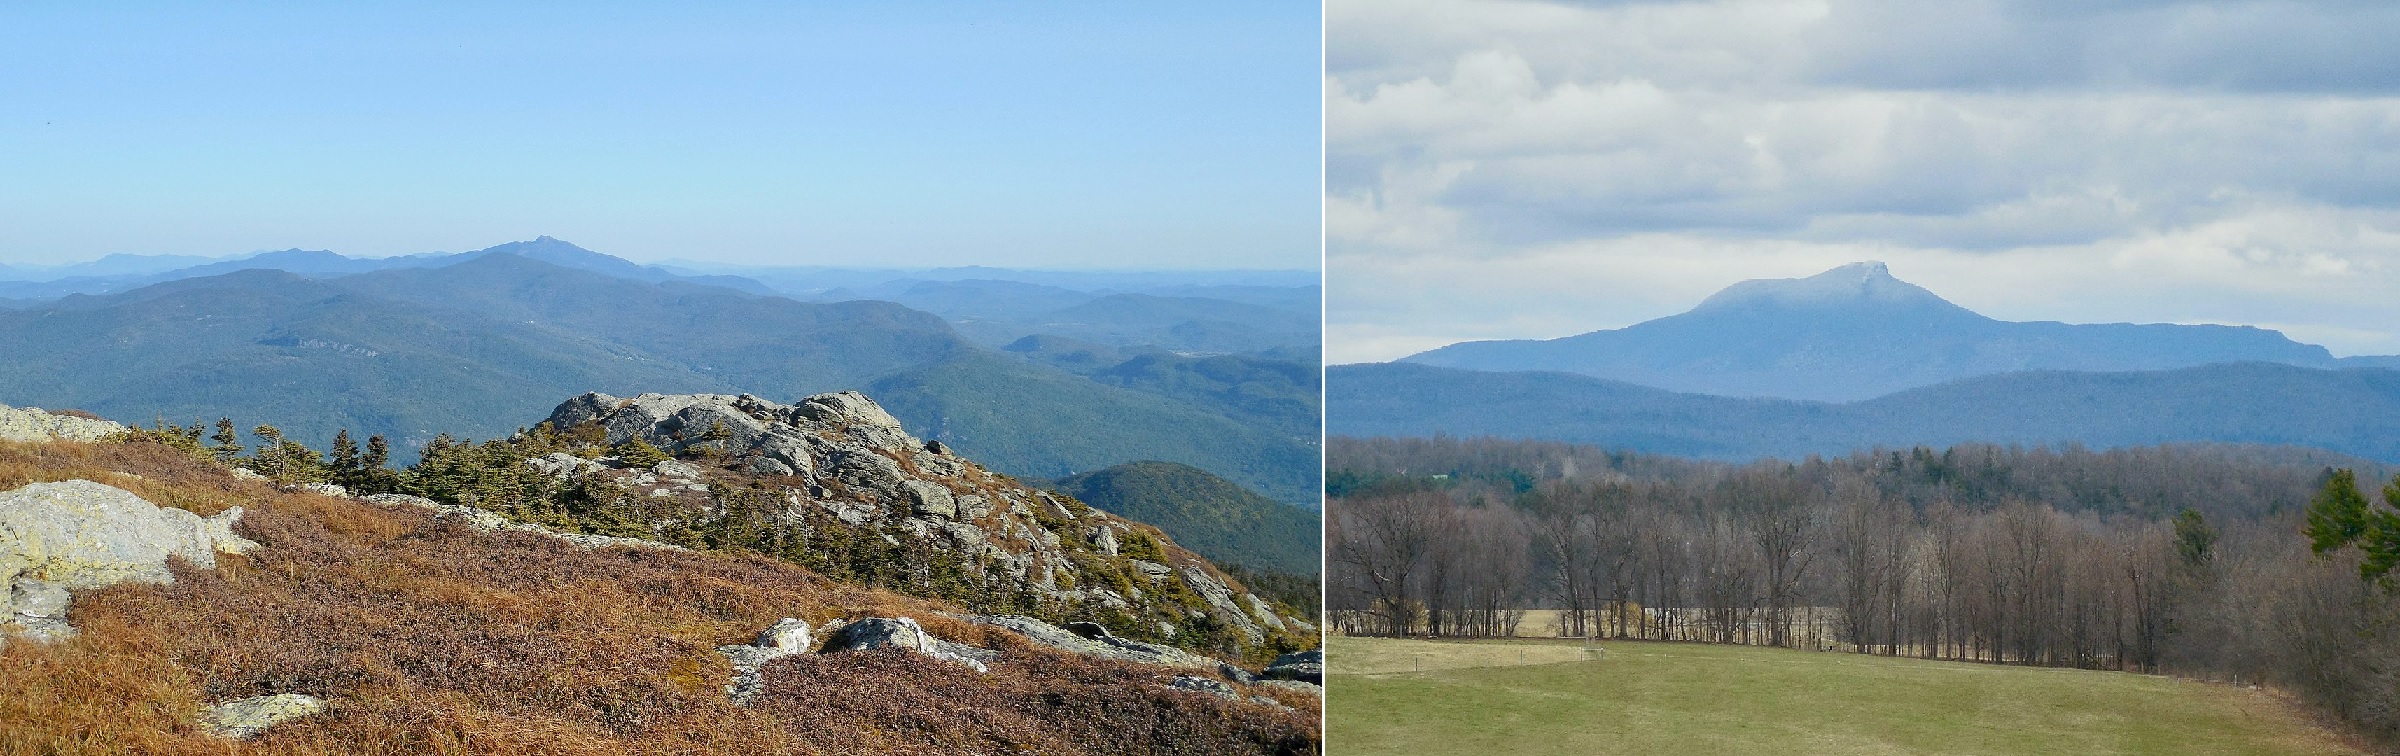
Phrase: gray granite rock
{"type": "Point", "coordinates": [1304, 666]}
{"type": "Point", "coordinates": [32, 424]}
{"type": "Point", "coordinates": [784, 638]}
{"type": "Point", "coordinates": [903, 633]}
{"type": "Point", "coordinates": [246, 718]}
{"type": "Point", "coordinates": [1092, 640]}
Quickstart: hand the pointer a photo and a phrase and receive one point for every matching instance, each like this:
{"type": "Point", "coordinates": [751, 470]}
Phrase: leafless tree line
{"type": "Point", "coordinates": [2072, 559]}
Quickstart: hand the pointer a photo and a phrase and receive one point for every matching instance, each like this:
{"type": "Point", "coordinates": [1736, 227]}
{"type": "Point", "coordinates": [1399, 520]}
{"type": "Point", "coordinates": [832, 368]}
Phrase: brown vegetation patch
{"type": "Point", "coordinates": [428, 637]}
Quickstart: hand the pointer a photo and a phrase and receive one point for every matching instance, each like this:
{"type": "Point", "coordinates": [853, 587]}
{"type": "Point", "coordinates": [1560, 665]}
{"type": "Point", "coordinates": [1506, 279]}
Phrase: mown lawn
{"type": "Point", "coordinates": [1552, 697]}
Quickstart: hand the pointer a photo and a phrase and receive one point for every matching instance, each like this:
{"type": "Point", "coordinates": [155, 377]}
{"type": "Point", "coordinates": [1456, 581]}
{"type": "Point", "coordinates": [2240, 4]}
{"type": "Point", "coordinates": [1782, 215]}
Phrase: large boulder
{"type": "Point", "coordinates": [904, 633]}
{"type": "Point", "coordinates": [78, 535]}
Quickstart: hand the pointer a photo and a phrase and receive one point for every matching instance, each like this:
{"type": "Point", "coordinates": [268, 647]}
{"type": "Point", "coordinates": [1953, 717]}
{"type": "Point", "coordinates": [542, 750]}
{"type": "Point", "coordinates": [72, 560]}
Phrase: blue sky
{"type": "Point", "coordinates": [1535, 169]}
{"type": "Point", "coordinates": [1060, 134]}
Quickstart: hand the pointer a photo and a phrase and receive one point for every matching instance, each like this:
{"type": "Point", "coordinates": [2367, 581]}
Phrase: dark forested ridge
{"type": "Point", "coordinates": [1854, 333]}
{"type": "Point", "coordinates": [2209, 561]}
{"type": "Point", "coordinates": [2350, 411]}
{"type": "Point", "coordinates": [1206, 514]}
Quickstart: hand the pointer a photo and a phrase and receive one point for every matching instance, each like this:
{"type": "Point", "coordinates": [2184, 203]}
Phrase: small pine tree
{"type": "Point", "coordinates": [345, 455]}
{"type": "Point", "coordinates": [638, 453]}
{"type": "Point", "coordinates": [287, 462]}
{"type": "Point", "coordinates": [229, 445]}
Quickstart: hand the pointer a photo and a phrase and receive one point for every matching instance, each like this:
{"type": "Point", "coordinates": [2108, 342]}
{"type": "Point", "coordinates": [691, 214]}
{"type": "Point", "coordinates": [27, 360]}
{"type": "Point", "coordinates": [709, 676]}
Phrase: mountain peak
{"type": "Point", "coordinates": [1868, 283]}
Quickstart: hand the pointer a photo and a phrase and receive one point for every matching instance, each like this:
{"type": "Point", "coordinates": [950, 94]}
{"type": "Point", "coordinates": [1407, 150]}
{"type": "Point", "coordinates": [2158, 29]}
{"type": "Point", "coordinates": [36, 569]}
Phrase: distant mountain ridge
{"type": "Point", "coordinates": [2351, 411]}
{"type": "Point", "coordinates": [1855, 333]}
{"type": "Point", "coordinates": [117, 273]}
{"type": "Point", "coordinates": [411, 349]}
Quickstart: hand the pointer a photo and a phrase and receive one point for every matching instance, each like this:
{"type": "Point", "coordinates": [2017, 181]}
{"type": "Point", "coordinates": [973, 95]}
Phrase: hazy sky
{"type": "Point", "coordinates": [1521, 170]}
{"type": "Point", "coordinates": [1053, 134]}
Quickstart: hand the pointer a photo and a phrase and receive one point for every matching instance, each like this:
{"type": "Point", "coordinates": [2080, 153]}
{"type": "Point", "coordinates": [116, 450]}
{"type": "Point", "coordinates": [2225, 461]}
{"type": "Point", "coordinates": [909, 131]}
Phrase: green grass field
{"type": "Point", "coordinates": [1553, 697]}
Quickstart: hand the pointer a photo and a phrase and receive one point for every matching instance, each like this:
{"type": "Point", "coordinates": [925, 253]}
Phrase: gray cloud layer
{"type": "Point", "coordinates": [1518, 169]}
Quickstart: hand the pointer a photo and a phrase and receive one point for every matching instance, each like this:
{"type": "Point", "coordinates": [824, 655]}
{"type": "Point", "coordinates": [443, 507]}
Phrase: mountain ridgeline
{"type": "Point", "coordinates": [1854, 333]}
{"type": "Point", "coordinates": [469, 344]}
{"type": "Point", "coordinates": [1854, 358]}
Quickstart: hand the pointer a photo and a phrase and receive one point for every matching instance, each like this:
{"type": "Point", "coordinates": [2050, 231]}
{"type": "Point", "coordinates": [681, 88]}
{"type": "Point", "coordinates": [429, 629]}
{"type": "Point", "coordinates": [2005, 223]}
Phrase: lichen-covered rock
{"type": "Point", "coordinates": [246, 718]}
{"type": "Point", "coordinates": [81, 534]}
{"type": "Point", "coordinates": [1236, 674]}
{"type": "Point", "coordinates": [327, 489]}
{"type": "Point", "coordinates": [1092, 640]}
{"type": "Point", "coordinates": [32, 424]}
{"type": "Point", "coordinates": [1310, 688]}
{"type": "Point", "coordinates": [488, 521]}
{"type": "Point", "coordinates": [1303, 666]}
{"type": "Point", "coordinates": [78, 535]}
{"type": "Point", "coordinates": [561, 465]}
{"type": "Point", "coordinates": [785, 638]}
{"type": "Point", "coordinates": [1216, 688]}
{"type": "Point", "coordinates": [1221, 597]}
{"type": "Point", "coordinates": [904, 633]}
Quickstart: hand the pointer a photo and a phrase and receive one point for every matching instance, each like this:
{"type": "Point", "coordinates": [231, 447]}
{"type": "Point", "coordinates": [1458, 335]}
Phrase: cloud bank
{"type": "Point", "coordinates": [1525, 169]}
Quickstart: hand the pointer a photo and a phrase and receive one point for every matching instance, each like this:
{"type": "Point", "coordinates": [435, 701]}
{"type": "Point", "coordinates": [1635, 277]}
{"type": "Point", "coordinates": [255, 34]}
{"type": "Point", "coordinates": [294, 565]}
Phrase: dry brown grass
{"type": "Point", "coordinates": [427, 637]}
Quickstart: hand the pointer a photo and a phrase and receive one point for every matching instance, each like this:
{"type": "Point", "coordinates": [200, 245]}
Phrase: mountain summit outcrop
{"type": "Point", "coordinates": [1856, 332]}
{"type": "Point", "coordinates": [834, 473]}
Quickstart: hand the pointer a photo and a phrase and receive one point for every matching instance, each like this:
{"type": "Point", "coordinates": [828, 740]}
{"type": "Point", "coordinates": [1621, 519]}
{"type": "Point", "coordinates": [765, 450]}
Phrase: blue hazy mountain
{"type": "Point", "coordinates": [117, 273]}
{"type": "Point", "coordinates": [479, 345]}
{"type": "Point", "coordinates": [2348, 410]}
{"type": "Point", "coordinates": [1856, 332]}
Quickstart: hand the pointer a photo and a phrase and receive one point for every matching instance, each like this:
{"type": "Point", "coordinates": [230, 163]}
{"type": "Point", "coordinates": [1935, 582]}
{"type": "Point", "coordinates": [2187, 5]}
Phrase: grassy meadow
{"type": "Point", "coordinates": [1555, 697]}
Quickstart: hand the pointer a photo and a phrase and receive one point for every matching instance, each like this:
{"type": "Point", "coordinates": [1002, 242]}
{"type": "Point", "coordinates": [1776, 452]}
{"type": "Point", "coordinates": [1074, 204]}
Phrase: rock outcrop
{"type": "Point", "coordinates": [785, 638]}
{"type": "Point", "coordinates": [485, 520]}
{"type": "Point", "coordinates": [33, 424]}
{"type": "Point", "coordinates": [1303, 666]}
{"type": "Point", "coordinates": [1092, 640]}
{"type": "Point", "coordinates": [78, 535]}
{"type": "Point", "coordinates": [904, 633]}
{"type": "Point", "coordinates": [840, 462]}
{"type": "Point", "coordinates": [246, 718]}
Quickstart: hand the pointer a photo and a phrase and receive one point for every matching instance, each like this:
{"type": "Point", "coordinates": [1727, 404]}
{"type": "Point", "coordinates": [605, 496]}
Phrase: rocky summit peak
{"type": "Point", "coordinates": [1867, 283]}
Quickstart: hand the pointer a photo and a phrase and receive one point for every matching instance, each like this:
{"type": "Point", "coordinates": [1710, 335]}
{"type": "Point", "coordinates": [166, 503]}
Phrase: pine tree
{"type": "Point", "coordinates": [228, 444]}
{"type": "Point", "coordinates": [345, 455]}
{"type": "Point", "coordinates": [2195, 539]}
{"type": "Point", "coordinates": [379, 453]}
{"type": "Point", "coordinates": [2339, 517]}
